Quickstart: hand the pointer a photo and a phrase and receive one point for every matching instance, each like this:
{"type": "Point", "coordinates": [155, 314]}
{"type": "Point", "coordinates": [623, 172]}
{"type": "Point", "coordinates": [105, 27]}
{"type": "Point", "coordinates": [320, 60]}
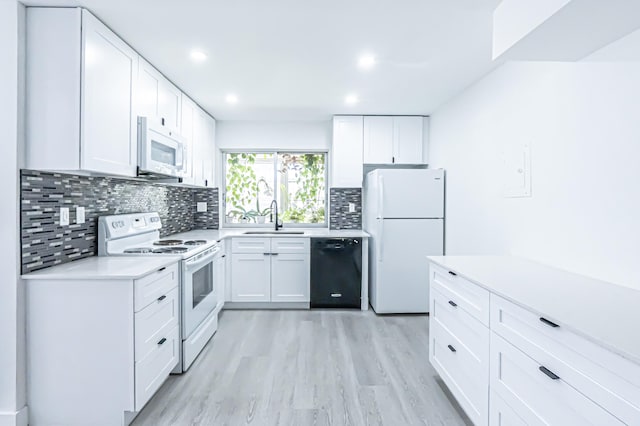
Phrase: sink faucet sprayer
{"type": "Point", "coordinates": [274, 202]}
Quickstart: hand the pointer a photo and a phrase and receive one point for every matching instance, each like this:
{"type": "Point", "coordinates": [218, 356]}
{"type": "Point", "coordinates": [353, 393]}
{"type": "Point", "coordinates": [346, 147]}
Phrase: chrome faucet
{"type": "Point", "coordinates": [274, 202]}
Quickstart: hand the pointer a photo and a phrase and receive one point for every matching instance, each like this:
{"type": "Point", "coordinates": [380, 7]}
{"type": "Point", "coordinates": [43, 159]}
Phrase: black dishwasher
{"type": "Point", "coordinates": [336, 272]}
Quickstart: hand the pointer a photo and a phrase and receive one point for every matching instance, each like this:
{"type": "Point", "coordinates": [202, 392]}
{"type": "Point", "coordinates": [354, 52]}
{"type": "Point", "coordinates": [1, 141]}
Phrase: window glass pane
{"type": "Point", "coordinates": [301, 187]}
{"type": "Point", "coordinates": [249, 186]}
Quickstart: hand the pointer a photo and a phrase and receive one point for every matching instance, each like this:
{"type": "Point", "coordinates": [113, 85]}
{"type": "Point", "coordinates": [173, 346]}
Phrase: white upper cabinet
{"type": "Point", "coordinates": [81, 79]}
{"type": "Point", "coordinates": [187, 124]}
{"type": "Point", "coordinates": [157, 97]}
{"type": "Point", "coordinates": [378, 140]}
{"type": "Point", "coordinates": [346, 152]}
{"type": "Point", "coordinates": [394, 140]}
{"type": "Point", "coordinates": [198, 129]}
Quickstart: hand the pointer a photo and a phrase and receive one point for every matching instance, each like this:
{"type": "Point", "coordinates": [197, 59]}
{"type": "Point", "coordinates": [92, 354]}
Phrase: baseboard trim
{"type": "Point", "coordinates": [16, 418]}
{"type": "Point", "coordinates": [266, 305]}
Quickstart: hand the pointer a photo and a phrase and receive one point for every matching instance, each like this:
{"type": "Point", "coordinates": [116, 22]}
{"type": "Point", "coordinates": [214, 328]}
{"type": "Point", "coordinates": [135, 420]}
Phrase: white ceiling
{"type": "Point", "coordinates": [297, 60]}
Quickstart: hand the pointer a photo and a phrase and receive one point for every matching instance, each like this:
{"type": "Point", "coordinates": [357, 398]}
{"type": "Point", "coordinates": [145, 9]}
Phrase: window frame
{"type": "Point", "coordinates": [275, 152]}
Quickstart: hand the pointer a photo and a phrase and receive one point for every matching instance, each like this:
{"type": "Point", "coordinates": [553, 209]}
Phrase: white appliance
{"type": "Point", "coordinates": [404, 213]}
{"type": "Point", "coordinates": [160, 151]}
{"type": "Point", "coordinates": [139, 235]}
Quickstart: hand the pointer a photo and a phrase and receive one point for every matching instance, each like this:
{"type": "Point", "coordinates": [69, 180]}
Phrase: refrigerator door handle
{"type": "Point", "coordinates": [381, 197]}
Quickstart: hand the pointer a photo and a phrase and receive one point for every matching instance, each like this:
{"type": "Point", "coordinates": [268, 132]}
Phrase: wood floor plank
{"type": "Point", "coordinates": [319, 367]}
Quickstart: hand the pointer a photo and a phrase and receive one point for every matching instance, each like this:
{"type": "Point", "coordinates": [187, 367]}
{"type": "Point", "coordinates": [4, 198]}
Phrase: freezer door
{"type": "Point", "coordinates": [415, 193]}
{"type": "Point", "coordinates": [401, 277]}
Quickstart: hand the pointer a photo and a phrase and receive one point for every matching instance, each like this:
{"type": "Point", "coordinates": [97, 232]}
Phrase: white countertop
{"type": "Point", "coordinates": [104, 268]}
{"type": "Point", "coordinates": [240, 232]}
{"type": "Point", "coordinates": [605, 313]}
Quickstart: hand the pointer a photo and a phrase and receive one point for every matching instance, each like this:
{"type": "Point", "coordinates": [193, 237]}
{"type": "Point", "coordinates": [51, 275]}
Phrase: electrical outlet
{"type": "Point", "coordinates": [80, 215]}
{"type": "Point", "coordinates": [201, 207]}
{"type": "Point", "coordinates": [64, 216]}
{"type": "Point", "coordinates": [352, 208]}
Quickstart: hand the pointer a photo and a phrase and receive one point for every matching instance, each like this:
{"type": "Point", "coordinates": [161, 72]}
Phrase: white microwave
{"type": "Point", "coordinates": [160, 151]}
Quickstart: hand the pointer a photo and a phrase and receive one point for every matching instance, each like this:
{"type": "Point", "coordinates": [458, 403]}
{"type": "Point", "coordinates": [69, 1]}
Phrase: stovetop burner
{"type": "Point", "coordinates": [167, 243]}
{"type": "Point", "coordinates": [195, 242]}
{"type": "Point", "coordinates": [166, 250]}
{"type": "Point", "coordinates": [139, 250]}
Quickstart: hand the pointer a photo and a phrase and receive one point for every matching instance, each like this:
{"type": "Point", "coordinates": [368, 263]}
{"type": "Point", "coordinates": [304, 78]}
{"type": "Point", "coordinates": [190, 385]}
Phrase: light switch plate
{"type": "Point", "coordinates": [352, 208]}
{"type": "Point", "coordinates": [80, 215]}
{"type": "Point", "coordinates": [201, 206]}
{"type": "Point", "coordinates": [64, 216]}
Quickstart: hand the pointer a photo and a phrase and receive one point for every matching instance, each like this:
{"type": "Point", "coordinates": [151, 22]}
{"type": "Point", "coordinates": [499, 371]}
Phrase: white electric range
{"type": "Point", "coordinates": [138, 234]}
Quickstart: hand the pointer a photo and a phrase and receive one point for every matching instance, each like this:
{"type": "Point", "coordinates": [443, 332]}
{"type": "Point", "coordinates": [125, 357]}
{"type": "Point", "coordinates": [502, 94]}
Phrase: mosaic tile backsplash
{"type": "Point", "coordinates": [45, 243]}
{"type": "Point", "coordinates": [339, 216]}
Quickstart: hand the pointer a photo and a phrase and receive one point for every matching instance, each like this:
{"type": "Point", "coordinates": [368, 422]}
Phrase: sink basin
{"type": "Point", "coordinates": [273, 232]}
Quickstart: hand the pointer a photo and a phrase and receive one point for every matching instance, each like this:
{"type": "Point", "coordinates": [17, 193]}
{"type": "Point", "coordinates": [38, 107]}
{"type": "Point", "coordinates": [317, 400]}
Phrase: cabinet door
{"type": "Point", "coordinates": [221, 277]}
{"type": "Point", "coordinates": [251, 278]}
{"type": "Point", "coordinates": [157, 97]}
{"type": "Point", "coordinates": [187, 131]}
{"type": "Point", "coordinates": [346, 152]}
{"type": "Point", "coordinates": [290, 278]}
{"type": "Point", "coordinates": [407, 140]}
{"type": "Point", "coordinates": [378, 140]}
{"type": "Point", "coordinates": [209, 151]}
{"type": "Point", "coordinates": [108, 122]}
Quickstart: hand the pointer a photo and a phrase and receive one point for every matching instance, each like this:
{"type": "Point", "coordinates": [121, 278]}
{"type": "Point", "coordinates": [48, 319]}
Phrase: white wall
{"type": "Point", "coordinates": [12, 346]}
{"type": "Point", "coordinates": [285, 135]}
{"type": "Point", "coordinates": [625, 49]}
{"type": "Point", "coordinates": [582, 122]}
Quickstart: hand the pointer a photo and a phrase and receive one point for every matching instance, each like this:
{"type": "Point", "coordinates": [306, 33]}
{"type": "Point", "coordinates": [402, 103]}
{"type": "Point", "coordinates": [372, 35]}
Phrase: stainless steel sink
{"type": "Point", "coordinates": [273, 232]}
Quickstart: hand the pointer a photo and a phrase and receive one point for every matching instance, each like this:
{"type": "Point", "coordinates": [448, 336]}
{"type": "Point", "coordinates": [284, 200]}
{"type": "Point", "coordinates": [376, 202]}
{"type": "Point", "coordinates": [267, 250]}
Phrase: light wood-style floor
{"type": "Point", "coordinates": [309, 368]}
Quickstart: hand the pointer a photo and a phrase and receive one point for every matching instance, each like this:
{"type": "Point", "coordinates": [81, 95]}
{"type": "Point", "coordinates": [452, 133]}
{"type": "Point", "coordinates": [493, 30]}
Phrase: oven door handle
{"type": "Point", "coordinates": [195, 264]}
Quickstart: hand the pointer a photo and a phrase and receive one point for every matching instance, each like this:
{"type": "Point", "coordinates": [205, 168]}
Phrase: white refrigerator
{"type": "Point", "coordinates": [404, 213]}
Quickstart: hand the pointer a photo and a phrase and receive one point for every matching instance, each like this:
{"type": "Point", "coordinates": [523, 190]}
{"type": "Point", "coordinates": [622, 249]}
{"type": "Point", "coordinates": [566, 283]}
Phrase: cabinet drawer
{"type": "Point", "coordinates": [537, 398]}
{"type": "Point", "coordinates": [154, 285]}
{"type": "Point", "coordinates": [251, 245]}
{"type": "Point", "coordinates": [466, 328]}
{"type": "Point", "coordinates": [151, 372]}
{"type": "Point", "coordinates": [153, 322]}
{"type": "Point", "coordinates": [464, 374]}
{"type": "Point", "coordinates": [611, 381]}
{"type": "Point", "coordinates": [290, 245]}
{"type": "Point", "coordinates": [467, 295]}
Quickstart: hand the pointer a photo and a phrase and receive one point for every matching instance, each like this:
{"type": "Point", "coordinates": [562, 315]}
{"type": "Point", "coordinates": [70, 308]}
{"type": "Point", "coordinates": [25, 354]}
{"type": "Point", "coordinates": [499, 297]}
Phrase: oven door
{"type": "Point", "coordinates": [199, 296]}
{"type": "Point", "coordinates": [161, 151]}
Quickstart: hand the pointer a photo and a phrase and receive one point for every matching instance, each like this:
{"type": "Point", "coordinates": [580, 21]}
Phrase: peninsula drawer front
{"type": "Point", "coordinates": [465, 375]}
{"type": "Point", "coordinates": [538, 393]}
{"type": "Point", "coordinates": [290, 245]}
{"type": "Point", "coordinates": [251, 245]}
{"type": "Point", "coordinates": [154, 321]}
{"type": "Point", "coordinates": [467, 295]}
{"type": "Point", "coordinates": [462, 325]}
{"type": "Point", "coordinates": [151, 372]}
{"type": "Point", "coordinates": [149, 288]}
{"type": "Point", "coordinates": [611, 381]}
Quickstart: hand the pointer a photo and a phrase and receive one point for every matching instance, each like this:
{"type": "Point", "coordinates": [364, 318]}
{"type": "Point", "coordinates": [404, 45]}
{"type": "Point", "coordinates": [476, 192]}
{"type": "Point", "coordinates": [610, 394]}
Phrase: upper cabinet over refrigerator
{"type": "Point", "coordinates": [395, 139]}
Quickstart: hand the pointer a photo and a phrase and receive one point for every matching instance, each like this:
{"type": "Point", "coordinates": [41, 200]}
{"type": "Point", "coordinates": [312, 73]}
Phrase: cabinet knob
{"type": "Point", "coordinates": [452, 303]}
{"type": "Point", "coordinates": [549, 373]}
{"type": "Point", "coordinates": [161, 298]}
{"type": "Point", "coordinates": [451, 348]}
{"type": "Point", "coordinates": [549, 323]}
{"type": "Point", "coordinates": [162, 341]}
{"type": "Point", "coordinates": [162, 269]}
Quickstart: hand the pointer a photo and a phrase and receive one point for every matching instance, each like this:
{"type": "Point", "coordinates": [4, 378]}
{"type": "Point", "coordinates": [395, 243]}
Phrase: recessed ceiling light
{"type": "Point", "coordinates": [198, 56]}
{"type": "Point", "coordinates": [366, 61]}
{"type": "Point", "coordinates": [232, 98]}
{"type": "Point", "coordinates": [351, 99]}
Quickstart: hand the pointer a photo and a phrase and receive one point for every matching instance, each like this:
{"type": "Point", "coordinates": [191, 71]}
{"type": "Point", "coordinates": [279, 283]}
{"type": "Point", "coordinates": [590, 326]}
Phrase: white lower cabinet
{"type": "Point", "coordinates": [525, 368]}
{"type": "Point", "coordinates": [270, 270]}
{"type": "Point", "coordinates": [100, 349]}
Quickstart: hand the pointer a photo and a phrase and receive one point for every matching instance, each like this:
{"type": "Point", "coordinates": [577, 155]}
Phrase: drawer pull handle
{"type": "Point", "coordinates": [161, 298]}
{"type": "Point", "coordinates": [549, 323]}
{"type": "Point", "coordinates": [162, 269]}
{"type": "Point", "coordinates": [162, 341]}
{"type": "Point", "coordinates": [451, 348]}
{"type": "Point", "coordinates": [274, 254]}
{"type": "Point", "coordinates": [549, 373]}
{"type": "Point", "coordinates": [453, 273]}
{"type": "Point", "coordinates": [452, 303]}
{"type": "Point", "coordinates": [267, 254]}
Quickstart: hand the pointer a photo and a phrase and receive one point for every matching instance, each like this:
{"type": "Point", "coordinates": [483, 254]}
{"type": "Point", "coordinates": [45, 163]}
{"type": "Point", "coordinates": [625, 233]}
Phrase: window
{"type": "Point", "coordinates": [297, 180]}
